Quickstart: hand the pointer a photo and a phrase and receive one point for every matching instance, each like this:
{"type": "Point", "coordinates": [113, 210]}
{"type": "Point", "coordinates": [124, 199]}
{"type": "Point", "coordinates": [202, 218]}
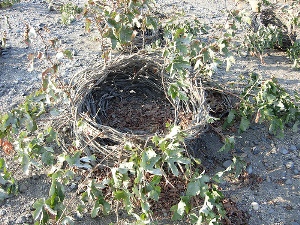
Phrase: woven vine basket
{"type": "Point", "coordinates": [126, 101]}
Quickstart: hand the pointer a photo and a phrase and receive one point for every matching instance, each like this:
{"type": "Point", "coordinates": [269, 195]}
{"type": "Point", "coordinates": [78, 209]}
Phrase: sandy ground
{"type": "Point", "coordinates": [274, 163]}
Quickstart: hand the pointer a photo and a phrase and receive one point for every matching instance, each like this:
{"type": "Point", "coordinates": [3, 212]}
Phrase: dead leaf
{"type": "Point", "coordinates": [258, 115]}
{"type": "Point", "coordinates": [7, 147]}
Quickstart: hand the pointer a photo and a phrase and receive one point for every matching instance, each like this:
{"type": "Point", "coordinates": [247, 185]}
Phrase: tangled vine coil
{"type": "Point", "coordinates": [137, 84]}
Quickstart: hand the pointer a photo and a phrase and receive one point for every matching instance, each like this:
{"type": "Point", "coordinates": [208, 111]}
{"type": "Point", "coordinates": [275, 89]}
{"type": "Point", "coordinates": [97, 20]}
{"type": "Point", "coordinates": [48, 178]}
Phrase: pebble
{"type": "Point", "coordinates": [255, 142]}
{"type": "Point", "coordinates": [296, 172]}
{"type": "Point", "coordinates": [293, 148]}
{"type": "Point", "coordinates": [21, 220]}
{"type": "Point", "coordinates": [255, 206]}
{"type": "Point", "coordinates": [245, 143]}
{"type": "Point", "coordinates": [73, 186]}
{"type": "Point", "coordinates": [29, 218]}
{"type": "Point", "coordinates": [263, 139]}
{"type": "Point", "coordinates": [288, 182]}
{"type": "Point", "coordinates": [255, 150]}
{"type": "Point", "coordinates": [273, 150]}
{"type": "Point", "coordinates": [298, 146]}
{"type": "Point", "coordinates": [249, 169]}
{"type": "Point", "coordinates": [78, 216]}
{"type": "Point", "coordinates": [22, 188]}
{"type": "Point", "coordinates": [268, 179]}
{"type": "Point", "coordinates": [227, 163]}
{"type": "Point", "coordinates": [271, 211]}
{"type": "Point", "coordinates": [284, 151]}
{"type": "Point", "coordinates": [35, 176]}
{"type": "Point", "coordinates": [289, 165]}
{"type": "Point", "coordinates": [2, 212]}
{"type": "Point", "coordinates": [294, 223]}
{"type": "Point", "coordinates": [51, 7]}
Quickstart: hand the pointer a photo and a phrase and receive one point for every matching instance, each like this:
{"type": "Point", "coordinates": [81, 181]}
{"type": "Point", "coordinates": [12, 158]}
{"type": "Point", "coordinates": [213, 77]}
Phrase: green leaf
{"type": "Point", "coordinates": [149, 159]}
{"type": "Point", "coordinates": [67, 221]}
{"type": "Point", "coordinates": [55, 112]}
{"type": "Point", "coordinates": [151, 22]}
{"type": "Point", "coordinates": [193, 188]}
{"type": "Point", "coordinates": [154, 194]}
{"type": "Point", "coordinates": [178, 210]}
{"type": "Point", "coordinates": [30, 123]}
{"type": "Point", "coordinates": [50, 135]}
{"type": "Point", "coordinates": [39, 207]}
{"type": "Point", "coordinates": [120, 194]}
{"type": "Point", "coordinates": [25, 163]}
{"type": "Point", "coordinates": [110, 34]}
{"type": "Point", "coordinates": [295, 126]}
{"type": "Point", "coordinates": [125, 196]}
{"type": "Point", "coordinates": [244, 125]}
{"type": "Point", "coordinates": [231, 116]}
{"type": "Point", "coordinates": [95, 209]}
{"type": "Point", "coordinates": [106, 206]}
{"type": "Point", "coordinates": [56, 190]}
{"type": "Point", "coordinates": [68, 54]}
{"type": "Point", "coordinates": [125, 35]}
{"type": "Point", "coordinates": [173, 91]}
{"type": "Point", "coordinates": [228, 145]}
{"type": "Point", "coordinates": [197, 185]}
{"type": "Point", "coordinates": [3, 194]}
{"type": "Point", "coordinates": [48, 158]}
{"type": "Point", "coordinates": [239, 165]}
{"type": "Point", "coordinates": [7, 120]}
{"type": "Point", "coordinates": [112, 23]}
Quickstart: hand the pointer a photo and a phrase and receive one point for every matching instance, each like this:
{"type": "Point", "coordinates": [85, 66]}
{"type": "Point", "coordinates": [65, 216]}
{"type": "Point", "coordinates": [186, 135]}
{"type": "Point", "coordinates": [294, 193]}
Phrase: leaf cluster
{"type": "Point", "coordinates": [8, 3]}
{"type": "Point", "coordinates": [265, 101]}
{"type": "Point", "coordinates": [8, 185]}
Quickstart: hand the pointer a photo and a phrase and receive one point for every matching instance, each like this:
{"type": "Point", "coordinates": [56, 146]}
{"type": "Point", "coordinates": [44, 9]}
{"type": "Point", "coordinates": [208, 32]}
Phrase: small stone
{"type": "Point", "coordinates": [293, 148]}
{"type": "Point", "coordinates": [298, 146]}
{"type": "Point", "coordinates": [249, 169]}
{"type": "Point", "coordinates": [288, 182]}
{"type": "Point", "coordinates": [273, 150]}
{"type": "Point", "coordinates": [253, 127]}
{"type": "Point", "coordinates": [2, 212]}
{"type": "Point", "coordinates": [22, 188]}
{"type": "Point", "coordinates": [78, 216]}
{"type": "Point", "coordinates": [284, 175]}
{"type": "Point", "coordinates": [29, 219]}
{"type": "Point", "coordinates": [51, 7]}
{"type": "Point", "coordinates": [245, 143]}
{"type": "Point", "coordinates": [271, 211]}
{"type": "Point", "coordinates": [227, 163]}
{"type": "Point", "coordinates": [294, 223]}
{"type": "Point", "coordinates": [289, 165]}
{"type": "Point", "coordinates": [268, 179]}
{"type": "Point", "coordinates": [265, 140]}
{"type": "Point", "coordinates": [35, 176]}
{"type": "Point", "coordinates": [75, 53]}
{"type": "Point", "coordinates": [284, 151]}
{"type": "Point", "coordinates": [255, 206]}
{"type": "Point", "coordinates": [73, 186]}
{"type": "Point", "coordinates": [255, 150]}
{"type": "Point", "coordinates": [21, 220]}
{"type": "Point", "coordinates": [296, 172]}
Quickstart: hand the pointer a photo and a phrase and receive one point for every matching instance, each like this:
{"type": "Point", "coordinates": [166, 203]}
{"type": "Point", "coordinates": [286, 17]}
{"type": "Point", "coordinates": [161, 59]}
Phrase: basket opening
{"type": "Point", "coordinates": [131, 103]}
